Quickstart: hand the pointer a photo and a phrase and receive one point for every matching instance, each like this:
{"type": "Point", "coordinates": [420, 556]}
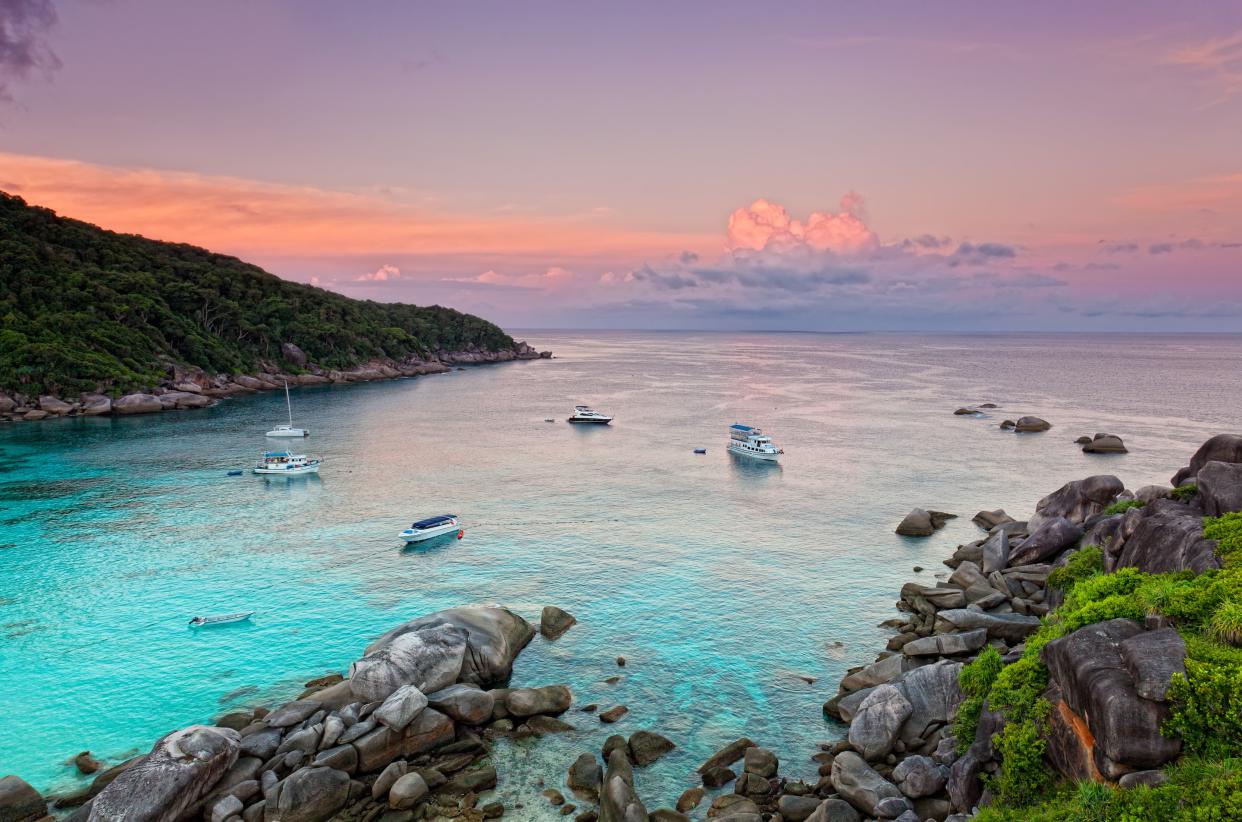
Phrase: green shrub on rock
{"type": "Point", "coordinates": [975, 680]}
{"type": "Point", "coordinates": [1183, 493]}
{"type": "Point", "coordinates": [1024, 775]}
{"type": "Point", "coordinates": [1086, 562]}
{"type": "Point", "coordinates": [1227, 531]}
{"type": "Point", "coordinates": [1123, 505]}
{"type": "Point", "coordinates": [1207, 712]}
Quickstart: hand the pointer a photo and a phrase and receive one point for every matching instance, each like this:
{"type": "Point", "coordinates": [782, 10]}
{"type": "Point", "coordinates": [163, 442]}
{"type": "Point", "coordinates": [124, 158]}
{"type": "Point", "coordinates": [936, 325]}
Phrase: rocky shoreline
{"type": "Point", "coordinates": [186, 388]}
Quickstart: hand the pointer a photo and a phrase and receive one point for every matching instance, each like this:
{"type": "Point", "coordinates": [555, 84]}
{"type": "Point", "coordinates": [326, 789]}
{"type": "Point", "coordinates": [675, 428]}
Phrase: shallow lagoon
{"type": "Point", "coordinates": [722, 582]}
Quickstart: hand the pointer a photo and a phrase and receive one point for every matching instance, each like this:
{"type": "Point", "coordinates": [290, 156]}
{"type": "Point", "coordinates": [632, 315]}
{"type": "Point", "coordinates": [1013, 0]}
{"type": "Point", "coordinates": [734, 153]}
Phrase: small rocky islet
{"type": "Point", "coordinates": [406, 734]}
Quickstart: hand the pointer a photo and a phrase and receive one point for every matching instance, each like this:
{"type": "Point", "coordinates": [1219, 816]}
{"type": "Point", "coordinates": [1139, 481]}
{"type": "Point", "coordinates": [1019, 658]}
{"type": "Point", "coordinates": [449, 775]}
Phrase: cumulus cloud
{"type": "Point", "coordinates": [765, 225]}
{"type": "Point", "coordinates": [24, 25]}
{"type": "Point", "coordinates": [380, 275]}
{"type": "Point", "coordinates": [548, 278]}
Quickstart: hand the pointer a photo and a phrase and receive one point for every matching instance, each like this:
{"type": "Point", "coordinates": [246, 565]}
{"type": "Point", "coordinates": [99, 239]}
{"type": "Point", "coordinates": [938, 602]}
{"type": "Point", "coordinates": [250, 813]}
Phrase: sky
{"type": "Point", "coordinates": [703, 165]}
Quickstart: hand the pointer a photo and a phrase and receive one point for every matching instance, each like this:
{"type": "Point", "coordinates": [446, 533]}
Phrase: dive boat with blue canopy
{"type": "Point", "coordinates": [748, 441]}
{"type": "Point", "coordinates": [432, 527]}
{"type": "Point", "coordinates": [286, 464]}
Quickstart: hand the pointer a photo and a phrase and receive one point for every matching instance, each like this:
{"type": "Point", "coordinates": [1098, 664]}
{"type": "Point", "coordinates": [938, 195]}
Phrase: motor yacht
{"type": "Point", "coordinates": [432, 527]}
{"type": "Point", "coordinates": [748, 441]}
{"type": "Point", "coordinates": [584, 414]}
{"type": "Point", "coordinates": [286, 464]}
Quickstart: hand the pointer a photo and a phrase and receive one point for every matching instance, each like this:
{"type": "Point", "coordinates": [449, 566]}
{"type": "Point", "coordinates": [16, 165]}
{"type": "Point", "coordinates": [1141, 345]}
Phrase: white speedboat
{"type": "Point", "coordinates": [584, 414]}
{"type": "Point", "coordinates": [286, 464]}
{"type": "Point", "coordinates": [431, 527]}
{"type": "Point", "coordinates": [748, 441]}
{"type": "Point", "coordinates": [222, 619]}
{"type": "Point", "coordinates": [288, 430]}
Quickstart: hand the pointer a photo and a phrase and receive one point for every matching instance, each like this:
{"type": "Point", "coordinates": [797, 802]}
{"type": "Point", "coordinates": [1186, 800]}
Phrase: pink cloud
{"type": "Point", "coordinates": [765, 225]}
{"type": "Point", "coordinates": [382, 274]}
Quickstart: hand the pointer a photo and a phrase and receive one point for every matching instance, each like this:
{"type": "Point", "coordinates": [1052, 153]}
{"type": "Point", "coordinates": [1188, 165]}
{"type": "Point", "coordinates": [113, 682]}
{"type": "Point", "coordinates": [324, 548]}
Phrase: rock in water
{"type": "Point", "coordinates": [554, 622]}
{"type": "Point", "coordinates": [494, 636]}
{"type": "Point", "coordinates": [646, 747]}
{"type": "Point", "coordinates": [585, 777]}
{"type": "Point", "coordinates": [19, 802]}
{"type": "Point", "coordinates": [727, 755]}
{"type": "Point", "coordinates": [761, 762]}
{"type": "Point", "coordinates": [917, 523]}
{"type": "Point", "coordinates": [1031, 424]}
{"type": "Point", "coordinates": [550, 699]}
{"type": "Point", "coordinates": [990, 519]}
{"type": "Point", "coordinates": [309, 795]}
{"type": "Point", "coordinates": [178, 772]}
{"type": "Point", "coordinates": [1104, 444]}
{"type": "Point", "coordinates": [1077, 500]}
{"type": "Point", "coordinates": [429, 658]}
{"type": "Point", "coordinates": [618, 802]}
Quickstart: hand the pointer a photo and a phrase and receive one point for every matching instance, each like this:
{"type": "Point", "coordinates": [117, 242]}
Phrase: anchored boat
{"type": "Point", "coordinates": [583, 413]}
{"type": "Point", "coordinates": [288, 430]}
{"type": "Point", "coordinates": [222, 619]}
{"type": "Point", "coordinates": [286, 464]}
{"type": "Point", "coordinates": [748, 441]}
{"type": "Point", "coordinates": [432, 527]}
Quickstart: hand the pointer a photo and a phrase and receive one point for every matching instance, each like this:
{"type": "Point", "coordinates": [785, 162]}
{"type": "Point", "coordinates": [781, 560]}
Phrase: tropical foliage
{"type": "Point", "coordinates": [83, 308]}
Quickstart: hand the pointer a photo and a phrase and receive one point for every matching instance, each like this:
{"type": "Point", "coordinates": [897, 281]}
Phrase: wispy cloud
{"type": "Point", "coordinates": [1219, 58]}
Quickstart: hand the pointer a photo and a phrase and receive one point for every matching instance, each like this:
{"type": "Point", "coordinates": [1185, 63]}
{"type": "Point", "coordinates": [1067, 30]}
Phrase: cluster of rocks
{"type": "Point", "coordinates": [1108, 682]}
{"type": "Point", "coordinates": [403, 737]}
{"type": "Point", "coordinates": [1101, 444]}
{"type": "Point", "coordinates": [1026, 425]}
{"type": "Point", "coordinates": [608, 789]}
{"type": "Point", "coordinates": [186, 388]}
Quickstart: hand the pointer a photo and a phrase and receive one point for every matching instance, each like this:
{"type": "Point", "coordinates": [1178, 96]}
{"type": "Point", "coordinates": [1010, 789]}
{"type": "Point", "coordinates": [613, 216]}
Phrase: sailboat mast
{"type": "Point", "coordinates": [288, 404]}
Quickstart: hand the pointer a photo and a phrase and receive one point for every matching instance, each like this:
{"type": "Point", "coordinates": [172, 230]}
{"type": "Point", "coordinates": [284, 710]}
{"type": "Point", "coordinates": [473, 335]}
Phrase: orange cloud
{"type": "Point", "coordinates": [252, 217]}
{"type": "Point", "coordinates": [766, 225]}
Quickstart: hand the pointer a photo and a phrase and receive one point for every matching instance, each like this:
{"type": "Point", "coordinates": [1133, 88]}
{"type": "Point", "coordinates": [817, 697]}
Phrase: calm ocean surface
{"type": "Point", "coordinates": [722, 582]}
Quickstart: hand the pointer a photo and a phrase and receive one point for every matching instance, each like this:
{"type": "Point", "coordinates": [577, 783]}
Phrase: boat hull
{"type": "Point", "coordinates": [289, 472]}
{"type": "Point", "coordinates": [296, 433]}
{"type": "Point", "coordinates": [578, 421]}
{"type": "Point", "coordinates": [754, 455]}
{"type": "Point", "coordinates": [412, 536]}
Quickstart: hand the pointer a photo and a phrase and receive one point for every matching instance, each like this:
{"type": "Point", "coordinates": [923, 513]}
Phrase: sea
{"type": "Point", "coordinates": [737, 592]}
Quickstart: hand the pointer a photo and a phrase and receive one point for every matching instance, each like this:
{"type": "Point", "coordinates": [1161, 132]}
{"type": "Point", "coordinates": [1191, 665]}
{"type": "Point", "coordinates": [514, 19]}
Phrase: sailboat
{"type": "Point", "coordinates": [288, 430]}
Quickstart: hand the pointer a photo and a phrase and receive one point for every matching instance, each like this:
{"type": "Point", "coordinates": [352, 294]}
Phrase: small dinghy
{"type": "Point", "coordinates": [700, 450]}
{"type": "Point", "coordinates": [236, 472]}
{"type": "Point", "coordinates": [222, 619]}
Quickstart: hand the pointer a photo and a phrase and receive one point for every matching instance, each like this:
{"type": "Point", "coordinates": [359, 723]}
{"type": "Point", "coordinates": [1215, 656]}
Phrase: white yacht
{"type": "Point", "coordinates": [288, 430]}
{"type": "Point", "coordinates": [583, 413]}
{"type": "Point", "coordinates": [748, 441]}
{"type": "Point", "coordinates": [287, 464]}
{"type": "Point", "coordinates": [431, 527]}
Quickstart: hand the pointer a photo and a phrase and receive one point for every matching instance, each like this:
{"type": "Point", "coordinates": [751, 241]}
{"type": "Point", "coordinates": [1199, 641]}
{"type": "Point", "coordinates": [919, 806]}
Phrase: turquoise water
{"type": "Point", "coordinates": [721, 581]}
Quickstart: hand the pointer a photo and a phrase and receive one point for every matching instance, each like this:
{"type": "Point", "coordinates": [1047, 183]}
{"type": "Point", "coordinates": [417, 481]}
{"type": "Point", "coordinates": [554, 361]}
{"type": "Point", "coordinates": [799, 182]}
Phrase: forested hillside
{"type": "Point", "coordinates": [82, 307]}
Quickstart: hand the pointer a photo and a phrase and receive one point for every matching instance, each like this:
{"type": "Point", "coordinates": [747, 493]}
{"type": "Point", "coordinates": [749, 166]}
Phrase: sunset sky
{"type": "Point", "coordinates": [817, 166]}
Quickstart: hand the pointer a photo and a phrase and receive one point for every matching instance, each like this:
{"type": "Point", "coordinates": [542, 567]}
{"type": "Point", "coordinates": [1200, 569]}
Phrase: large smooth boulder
{"type": "Point", "coordinates": [382, 745]}
{"type": "Point", "coordinates": [947, 644]}
{"type": "Point", "coordinates": [1031, 424]}
{"type": "Point", "coordinates": [1152, 658]}
{"type": "Point", "coordinates": [137, 404]}
{"type": "Point", "coordinates": [727, 755]}
{"type": "Point", "coordinates": [584, 778]}
{"type": "Point", "coordinates": [1220, 448]}
{"type": "Point", "coordinates": [95, 404]}
{"type": "Point", "coordinates": [308, 795]}
{"type": "Point", "coordinates": [1220, 487]}
{"type": "Point", "coordinates": [834, 810]}
{"type": "Point", "coordinates": [54, 405]}
{"type": "Point", "coordinates": [1167, 536]}
{"type": "Point", "coordinates": [1052, 536]}
{"type": "Point", "coordinates": [1077, 500]}
{"type": "Point", "coordinates": [934, 696]}
{"type": "Point", "coordinates": [550, 699]}
{"type": "Point", "coordinates": [430, 658]}
{"type": "Point", "coordinates": [1090, 670]}
{"type": "Point", "coordinates": [1104, 444]}
{"type": "Point", "coordinates": [988, 520]}
{"type": "Point", "coordinates": [919, 776]}
{"type": "Point", "coordinates": [19, 802]}
{"type": "Point", "coordinates": [407, 791]}
{"type": "Point", "coordinates": [464, 702]}
{"type": "Point", "coordinates": [876, 725]}
{"type": "Point", "coordinates": [618, 802]}
{"type": "Point", "coordinates": [178, 772]}
{"type": "Point", "coordinates": [494, 636]}
{"type": "Point", "coordinates": [917, 523]}
{"type": "Point", "coordinates": [859, 784]}
{"type": "Point", "coordinates": [647, 746]}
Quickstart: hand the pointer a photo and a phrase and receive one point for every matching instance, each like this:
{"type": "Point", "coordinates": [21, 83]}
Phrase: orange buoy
{"type": "Point", "coordinates": [460, 533]}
